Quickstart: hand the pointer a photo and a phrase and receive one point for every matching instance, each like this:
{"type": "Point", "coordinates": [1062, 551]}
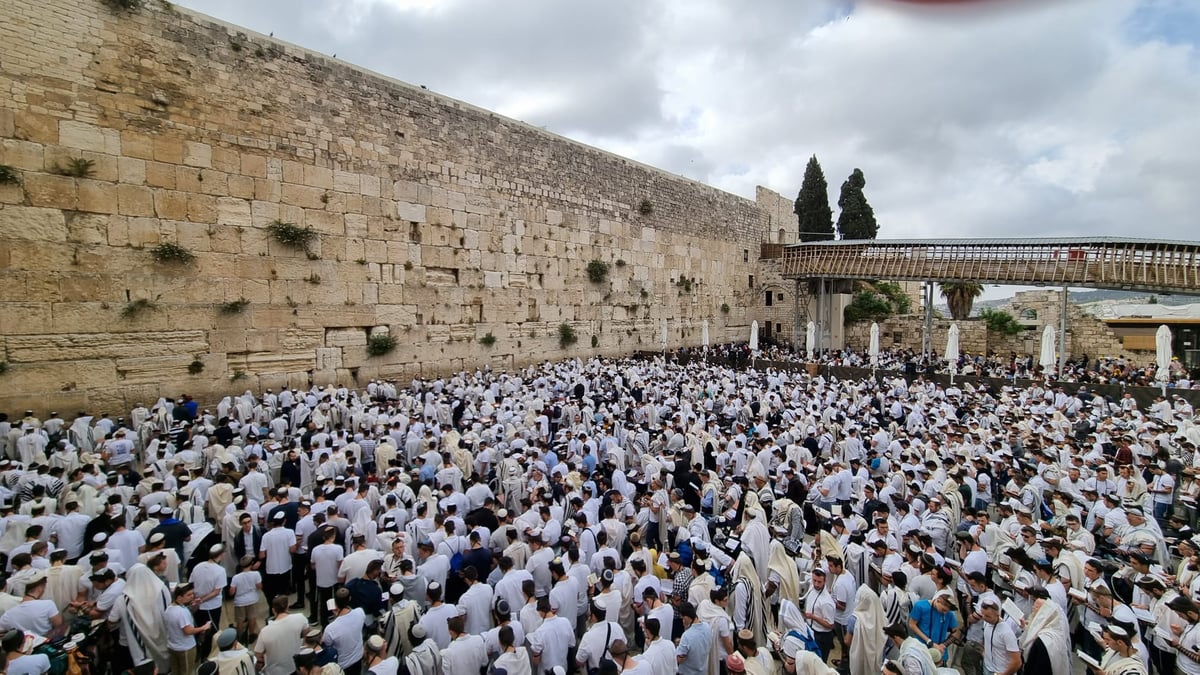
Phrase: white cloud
{"type": "Point", "coordinates": [1008, 118]}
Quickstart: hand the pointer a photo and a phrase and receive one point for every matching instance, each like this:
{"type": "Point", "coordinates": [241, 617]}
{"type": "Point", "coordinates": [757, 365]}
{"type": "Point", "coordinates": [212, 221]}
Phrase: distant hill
{"type": "Point", "coordinates": [1086, 297]}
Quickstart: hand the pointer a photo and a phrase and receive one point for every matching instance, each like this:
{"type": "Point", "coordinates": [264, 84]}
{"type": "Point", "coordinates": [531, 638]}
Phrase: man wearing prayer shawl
{"type": "Point", "coordinates": [1045, 643]}
{"type": "Point", "coordinates": [867, 643]}
{"type": "Point", "coordinates": [756, 541]}
{"type": "Point", "coordinates": [747, 605]}
{"type": "Point", "coordinates": [141, 613]}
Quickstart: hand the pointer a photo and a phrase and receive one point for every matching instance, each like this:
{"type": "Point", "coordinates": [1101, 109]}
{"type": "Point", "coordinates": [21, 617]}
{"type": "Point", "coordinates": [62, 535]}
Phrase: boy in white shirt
{"type": "Point", "coordinates": [244, 590]}
{"type": "Point", "coordinates": [181, 640]}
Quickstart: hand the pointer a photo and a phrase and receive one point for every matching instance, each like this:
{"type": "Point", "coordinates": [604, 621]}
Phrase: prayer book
{"type": "Point", "coordinates": [1010, 608]}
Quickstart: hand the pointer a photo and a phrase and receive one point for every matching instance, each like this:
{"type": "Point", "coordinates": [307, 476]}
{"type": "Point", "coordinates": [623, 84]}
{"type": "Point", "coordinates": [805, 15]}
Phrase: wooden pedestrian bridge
{"type": "Point", "coordinates": [1157, 266]}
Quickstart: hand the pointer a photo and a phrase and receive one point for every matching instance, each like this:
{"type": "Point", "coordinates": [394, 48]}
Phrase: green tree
{"type": "Point", "coordinates": [960, 297]}
{"type": "Point", "coordinates": [857, 219]}
{"type": "Point", "coordinates": [812, 205]}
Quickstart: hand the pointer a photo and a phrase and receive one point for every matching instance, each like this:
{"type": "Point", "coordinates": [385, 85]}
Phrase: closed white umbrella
{"type": "Point", "coordinates": [810, 339]}
{"type": "Point", "coordinates": [754, 336]}
{"type": "Point", "coordinates": [1047, 357]}
{"type": "Point", "coordinates": [1162, 356]}
{"type": "Point", "coordinates": [952, 350]}
{"type": "Point", "coordinates": [663, 337]}
{"type": "Point", "coordinates": [704, 334]}
{"type": "Point", "coordinates": [873, 349]}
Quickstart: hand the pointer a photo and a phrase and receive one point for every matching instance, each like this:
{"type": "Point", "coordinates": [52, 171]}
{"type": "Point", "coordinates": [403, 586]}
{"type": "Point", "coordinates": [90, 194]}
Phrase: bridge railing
{"type": "Point", "coordinates": [1129, 265]}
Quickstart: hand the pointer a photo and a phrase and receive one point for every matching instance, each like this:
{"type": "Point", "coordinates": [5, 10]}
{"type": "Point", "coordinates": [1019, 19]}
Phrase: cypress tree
{"type": "Point", "coordinates": [857, 219]}
{"type": "Point", "coordinates": [812, 205]}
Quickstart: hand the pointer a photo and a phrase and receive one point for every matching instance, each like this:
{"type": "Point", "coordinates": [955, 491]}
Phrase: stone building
{"type": "Point", "coordinates": [170, 164]}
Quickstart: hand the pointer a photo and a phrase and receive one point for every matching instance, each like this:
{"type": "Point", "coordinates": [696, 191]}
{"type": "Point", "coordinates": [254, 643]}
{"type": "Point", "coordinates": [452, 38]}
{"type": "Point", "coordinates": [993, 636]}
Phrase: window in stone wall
{"type": "Point", "coordinates": [770, 295]}
{"type": "Point", "coordinates": [778, 328]}
{"type": "Point", "coordinates": [752, 281]}
{"type": "Point", "coordinates": [779, 297]}
{"type": "Point", "coordinates": [1029, 315]}
{"type": "Point", "coordinates": [745, 255]}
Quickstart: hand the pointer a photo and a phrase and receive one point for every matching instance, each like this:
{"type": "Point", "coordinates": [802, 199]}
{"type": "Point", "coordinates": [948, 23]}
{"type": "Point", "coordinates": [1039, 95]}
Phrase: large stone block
{"type": "Point", "coordinates": [20, 222]}
{"type": "Point", "coordinates": [59, 192]}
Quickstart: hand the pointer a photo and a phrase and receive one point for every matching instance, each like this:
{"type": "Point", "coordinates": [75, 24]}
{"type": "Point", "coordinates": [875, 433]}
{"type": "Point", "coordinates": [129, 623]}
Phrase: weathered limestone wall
{"type": "Point", "coordinates": [782, 226]}
{"type": "Point", "coordinates": [438, 222]}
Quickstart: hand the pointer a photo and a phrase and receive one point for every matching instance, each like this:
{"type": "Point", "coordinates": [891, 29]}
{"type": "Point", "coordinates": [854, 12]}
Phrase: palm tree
{"type": "Point", "coordinates": [960, 296]}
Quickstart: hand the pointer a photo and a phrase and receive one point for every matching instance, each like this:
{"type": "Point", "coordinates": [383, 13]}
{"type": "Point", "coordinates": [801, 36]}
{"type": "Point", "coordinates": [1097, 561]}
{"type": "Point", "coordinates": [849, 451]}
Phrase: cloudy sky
{"type": "Point", "coordinates": [987, 118]}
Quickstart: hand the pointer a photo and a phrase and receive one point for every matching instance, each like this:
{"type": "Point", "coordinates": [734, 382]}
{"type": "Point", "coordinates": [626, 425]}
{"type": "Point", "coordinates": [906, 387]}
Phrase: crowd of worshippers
{"type": "Point", "coordinates": [1079, 370]}
{"type": "Point", "coordinates": [605, 517]}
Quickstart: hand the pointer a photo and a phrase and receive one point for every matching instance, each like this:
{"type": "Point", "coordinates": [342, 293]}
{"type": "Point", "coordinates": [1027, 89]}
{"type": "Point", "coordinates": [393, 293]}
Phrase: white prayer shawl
{"type": "Point", "coordinates": [756, 541]}
{"type": "Point", "coordinates": [783, 564]}
{"type": "Point", "coordinates": [172, 562]}
{"type": "Point", "coordinates": [234, 662]}
{"type": "Point", "coordinates": [144, 622]}
{"type": "Point", "coordinates": [80, 433]}
{"type": "Point", "coordinates": [744, 574]}
{"type": "Point", "coordinates": [220, 496]}
{"type": "Point", "coordinates": [62, 584]}
{"type": "Point", "coordinates": [1049, 624]}
{"type": "Point", "coordinates": [867, 646]}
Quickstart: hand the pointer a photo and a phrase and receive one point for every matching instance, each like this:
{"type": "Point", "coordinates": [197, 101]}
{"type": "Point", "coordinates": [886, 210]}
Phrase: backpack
{"type": "Point", "coordinates": [456, 560]}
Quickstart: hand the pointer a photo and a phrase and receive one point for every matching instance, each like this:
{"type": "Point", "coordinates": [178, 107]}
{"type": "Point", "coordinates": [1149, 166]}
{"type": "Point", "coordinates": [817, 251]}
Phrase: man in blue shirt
{"type": "Point", "coordinates": [932, 622]}
{"type": "Point", "coordinates": [694, 645]}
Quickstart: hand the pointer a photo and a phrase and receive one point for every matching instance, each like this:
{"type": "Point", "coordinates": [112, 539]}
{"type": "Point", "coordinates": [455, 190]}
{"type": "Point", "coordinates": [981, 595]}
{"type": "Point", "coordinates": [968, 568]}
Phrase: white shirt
{"type": "Point", "coordinates": [477, 602]}
{"type": "Point", "coordinates": [552, 640]}
{"type": "Point", "coordinates": [464, 656]}
{"type": "Point", "coordinates": [592, 645]}
{"type": "Point", "coordinates": [434, 623]}
{"type": "Point", "coordinates": [999, 643]}
{"type": "Point", "coordinates": [177, 618]}
{"type": "Point", "coordinates": [345, 635]}
{"type": "Point", "coordinates": [245, 588]}
{"type": "Point", "coordinates": [326, 559]}
{"type": "Point", "coordinates": [277, 544]}
{"type": "Point", "coordinates": [207, 577]}
{"type": "Point", "coordinates": [278, 641]}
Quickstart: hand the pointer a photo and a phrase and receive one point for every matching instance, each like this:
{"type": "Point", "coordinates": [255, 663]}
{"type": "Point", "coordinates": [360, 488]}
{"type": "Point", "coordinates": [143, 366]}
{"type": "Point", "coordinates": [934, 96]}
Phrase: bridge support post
{"type": "Point", "coordinates": [821, 301]}
{"type": "Point", "coordinates": [799, 310]}
{"type": "Point", "coordinates": [927, 335]}
{"type": "Point", "coordinates": [1062, 335]}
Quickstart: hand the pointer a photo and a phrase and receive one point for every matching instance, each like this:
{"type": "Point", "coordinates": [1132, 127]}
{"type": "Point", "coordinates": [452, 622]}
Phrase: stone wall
{"type": "Point", "coordinates": [437, 222]}
{"type": "Point", "coordinates": [782, 226]}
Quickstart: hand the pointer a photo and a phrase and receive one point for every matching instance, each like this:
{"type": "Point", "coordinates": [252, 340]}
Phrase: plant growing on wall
{"type": "Point", "coordinates": [169, 252]}
{"type": "Point", "coordinates": [127, 5]}
{"type": "Point", "coordinates": [597, 271]}
{"type": "Point", "coordinates": [685, 284]}
{"type": "Point", "coordinates": [724, 307]}
{"type": "Point", "coordinates": [195, 367]}
{"type": "Point", "coordinates": [378, 345]}
{"type": "Point", "coordinates": [595, 341]}
{"type": "Point", "coordinates": [1000, 321]}
{"type": "Point", "coordinates": [9, 175]}
{"type": "Point", "coordinates": [645, 207]}
{"type": "Point", "coordinates": [487, 340]}
{"type": "Point", "coordinates": [3, 367]}
{"type": "Point", "coordinates": [136, 308]}
{"type": "Point", "coordinates": [76, 168]}
{"type": "Point", "coordinates": [292, 235]}
{"type": "Point", "coordinates": [234, 306]}
{"type": "Point", "coordinates": [566, 335]}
